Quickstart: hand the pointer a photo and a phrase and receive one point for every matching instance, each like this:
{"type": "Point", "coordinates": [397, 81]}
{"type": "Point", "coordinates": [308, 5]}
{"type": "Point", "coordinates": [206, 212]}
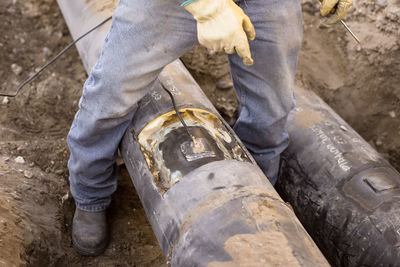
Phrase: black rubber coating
{"type": "Point", "coordinates": [344, 193]}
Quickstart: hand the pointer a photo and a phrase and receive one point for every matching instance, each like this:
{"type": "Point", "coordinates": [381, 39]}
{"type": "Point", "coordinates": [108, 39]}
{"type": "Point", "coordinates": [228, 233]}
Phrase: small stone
{"type": "Point", "coordinates": [17, 198]}
{"type": "Point", "coordinates": [59, 172]}
{"type": "Point", "coordinates": [392, 114]}
{"type": "Point", "coordinates": [28, 174]}
{"type": "Point", "coordinates": [65, 198]}
{"type": "Point", "coordinates": [5, 100]}
{"type": "Point", "coordinates": [19, 160]}
{"type": "Point", "coordinates": [46, 51]}
{"type": "Point", "coordinates": [343, 128]}
{"type": "Point", "coordinates": [7, 159]}
{"type": "Point", "coordinates": [224, 84]}
{"type": "Point", "coordinates": [378, 142]}
{"type": "Point", "coordinates": [211, 52]}
{"type": "Point", "coordinates": [382, 3]}
{"type": "Point", "coordinates": [16, 69]}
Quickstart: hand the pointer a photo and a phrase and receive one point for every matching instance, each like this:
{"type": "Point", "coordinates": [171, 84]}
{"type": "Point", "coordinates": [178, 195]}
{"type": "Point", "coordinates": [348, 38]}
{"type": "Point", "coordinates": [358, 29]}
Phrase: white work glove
{"type": "Point", "coordinates": [223, 26]}
{"type": "Point", "coordinates": [340, 7]}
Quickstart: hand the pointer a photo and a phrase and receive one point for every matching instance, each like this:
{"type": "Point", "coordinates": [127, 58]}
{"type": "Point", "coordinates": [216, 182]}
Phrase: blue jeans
{"type": "Point", "coordinates": [145, 36]}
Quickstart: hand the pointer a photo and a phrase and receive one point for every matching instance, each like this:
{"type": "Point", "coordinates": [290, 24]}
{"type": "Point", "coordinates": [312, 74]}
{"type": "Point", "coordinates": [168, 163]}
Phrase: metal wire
{"type": "Point", "coordinates": [177, 112]}
{"type": "Point", "coordinates": [36, 74]}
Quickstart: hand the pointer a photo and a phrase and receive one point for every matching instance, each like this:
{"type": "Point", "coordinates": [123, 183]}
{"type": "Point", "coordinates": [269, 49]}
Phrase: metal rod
{"type": "Point", "coordinates": [36, 74]}
{"type": "Point", "coordinates": [178, 113]}
{"type": "Point", "coordinates": [352, 34]}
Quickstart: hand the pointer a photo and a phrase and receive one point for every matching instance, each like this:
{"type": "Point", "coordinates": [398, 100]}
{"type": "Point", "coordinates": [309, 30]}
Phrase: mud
{"type": "Point", "coordinates": [360, 83]}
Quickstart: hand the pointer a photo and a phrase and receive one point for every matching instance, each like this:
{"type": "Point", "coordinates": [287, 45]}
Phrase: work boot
{"type": "Point", "coordinates": [89, 232]}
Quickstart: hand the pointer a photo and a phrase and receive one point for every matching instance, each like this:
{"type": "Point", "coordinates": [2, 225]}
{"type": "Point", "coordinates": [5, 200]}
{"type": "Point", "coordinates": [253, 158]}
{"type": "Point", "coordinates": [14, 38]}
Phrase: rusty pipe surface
{"type": "Point", "coordinates": [208, 204]}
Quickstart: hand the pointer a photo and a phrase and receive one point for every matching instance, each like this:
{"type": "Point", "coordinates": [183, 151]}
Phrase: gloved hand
{"type": "Point", "coordinates": [341, 7]}
{"type": "Point", "coordinates": [223, 26]}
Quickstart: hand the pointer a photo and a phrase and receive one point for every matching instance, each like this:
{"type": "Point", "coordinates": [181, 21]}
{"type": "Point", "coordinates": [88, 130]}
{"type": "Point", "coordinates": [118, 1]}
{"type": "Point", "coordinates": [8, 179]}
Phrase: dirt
{"type": "Point", "coordinates": [360, 83]}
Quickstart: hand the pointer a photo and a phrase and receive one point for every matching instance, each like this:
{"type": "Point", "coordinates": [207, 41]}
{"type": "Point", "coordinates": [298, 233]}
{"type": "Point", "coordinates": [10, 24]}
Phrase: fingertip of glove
{"type": "Point", "coordinates": [324, 25]}
{"type": "Point", "coordinates": [329, 22]}
{"type": "Point", "coordinates": [248, 61]}
{"type": "Point", "coordinates": [252, 36]}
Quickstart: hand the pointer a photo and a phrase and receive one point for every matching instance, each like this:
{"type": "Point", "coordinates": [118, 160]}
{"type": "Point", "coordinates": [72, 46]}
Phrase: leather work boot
{"type": "Point", "coordinates": [89, 232]}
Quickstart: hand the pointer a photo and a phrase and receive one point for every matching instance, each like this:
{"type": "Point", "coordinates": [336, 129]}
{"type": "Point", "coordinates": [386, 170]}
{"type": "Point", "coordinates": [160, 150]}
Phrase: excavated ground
{"type": "Point", "coordinates": [361, 84]}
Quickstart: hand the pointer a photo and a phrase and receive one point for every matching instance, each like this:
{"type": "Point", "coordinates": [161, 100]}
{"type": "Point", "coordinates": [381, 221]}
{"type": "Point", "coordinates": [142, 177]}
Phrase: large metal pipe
{"type": "Point", "coordinates": [345, 194]}
{"type": "Point", "coordinates": [213, 205]}
{"type": "Point", "coordinates": [208, 204]}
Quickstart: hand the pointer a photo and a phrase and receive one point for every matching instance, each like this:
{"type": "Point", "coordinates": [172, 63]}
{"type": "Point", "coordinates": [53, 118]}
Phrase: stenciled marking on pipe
{"type": "Point", "coordinates": [342, 162]}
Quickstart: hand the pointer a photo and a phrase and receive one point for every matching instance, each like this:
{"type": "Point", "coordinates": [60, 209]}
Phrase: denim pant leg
{"type": "Point", "coordinates": [144, 37]}
{"type": "Point", "coordinates": [265, 89]}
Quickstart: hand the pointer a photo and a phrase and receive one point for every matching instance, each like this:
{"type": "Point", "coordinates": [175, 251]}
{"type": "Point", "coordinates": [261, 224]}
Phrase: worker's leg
{"type": "Point", "coordinates": [144, 37]}
{"type": "Point", "coordinates": [265, 89]}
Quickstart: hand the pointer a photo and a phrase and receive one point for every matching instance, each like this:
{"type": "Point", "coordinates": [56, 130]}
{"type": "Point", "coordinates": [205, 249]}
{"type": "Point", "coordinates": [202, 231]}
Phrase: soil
{"type": "Point", "coordinates": [360, 83]}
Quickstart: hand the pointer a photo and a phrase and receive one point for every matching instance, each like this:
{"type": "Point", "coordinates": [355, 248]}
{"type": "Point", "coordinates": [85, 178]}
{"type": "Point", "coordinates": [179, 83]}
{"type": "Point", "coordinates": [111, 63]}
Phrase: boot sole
{"type": "Point", "coordinates": [89, 252]}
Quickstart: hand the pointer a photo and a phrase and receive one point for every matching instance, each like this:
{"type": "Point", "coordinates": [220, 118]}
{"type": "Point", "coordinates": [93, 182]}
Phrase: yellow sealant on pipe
{"type": "Point", "coordinates": [218, 141]}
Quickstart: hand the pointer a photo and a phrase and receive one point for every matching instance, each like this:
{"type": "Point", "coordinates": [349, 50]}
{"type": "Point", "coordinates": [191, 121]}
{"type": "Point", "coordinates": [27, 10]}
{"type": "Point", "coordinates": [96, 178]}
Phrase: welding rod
{"type": "Point", "coordinates": [333, 10]}
{"type": "Point", "coordinates": [348, 29]}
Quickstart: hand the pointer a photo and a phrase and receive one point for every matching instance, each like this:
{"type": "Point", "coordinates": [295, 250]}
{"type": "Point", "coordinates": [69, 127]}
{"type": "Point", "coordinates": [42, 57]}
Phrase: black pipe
{"type": "Point", "coordinates": [212, 205]}
{"type": "Point", "coordinates": [345, 194]}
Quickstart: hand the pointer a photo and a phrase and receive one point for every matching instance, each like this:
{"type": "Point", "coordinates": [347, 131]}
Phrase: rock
{"type": "Point", "coordinates": [46, 51]}
{"type": "Point", "coordinates": [28, 174]}
{"type": "Point", "coordinates": [16, 69]}
{"type": "Point", "coordinates": [19, 160]}
{"type": "Point", "coordinates": [17, 198]}
{"type": "Point", "coordinates": [224, 84]}
{"type": "Point", "coordinates": [382, 3]}
{"type": "Point", "coordinates": [65, 198]}
{"type": "Point", "coordinates": [5, 100]}
{"type": "Point", "coordinates": [392, 114]}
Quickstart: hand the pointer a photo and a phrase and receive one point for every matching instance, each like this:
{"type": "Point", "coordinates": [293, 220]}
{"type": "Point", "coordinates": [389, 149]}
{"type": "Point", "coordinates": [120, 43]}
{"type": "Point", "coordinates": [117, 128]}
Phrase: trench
{"type": "Point", "coordinates": [361, 85]}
